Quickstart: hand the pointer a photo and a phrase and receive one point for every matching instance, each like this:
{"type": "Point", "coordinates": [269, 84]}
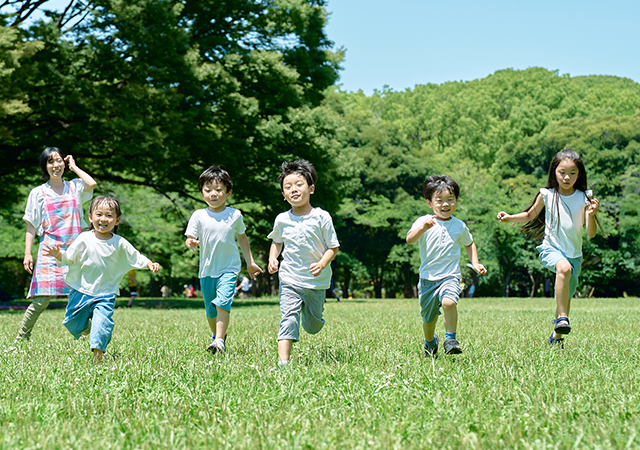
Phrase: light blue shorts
{"type": "Point", "coordinates": [433, 292]}
{"type": "Point", "coordinates": [549, 257]}
{"type": "Point", "coordinates": [218, 292]}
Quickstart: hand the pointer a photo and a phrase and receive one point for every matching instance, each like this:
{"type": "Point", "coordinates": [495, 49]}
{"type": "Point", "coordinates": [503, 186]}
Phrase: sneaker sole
{"type": "Point", "coordinates": [453, 351]}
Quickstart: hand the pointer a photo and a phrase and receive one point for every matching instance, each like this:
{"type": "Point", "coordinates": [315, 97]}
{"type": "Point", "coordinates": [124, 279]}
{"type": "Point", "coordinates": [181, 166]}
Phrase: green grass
{"type": "Point", "coordinates": [362, 382]}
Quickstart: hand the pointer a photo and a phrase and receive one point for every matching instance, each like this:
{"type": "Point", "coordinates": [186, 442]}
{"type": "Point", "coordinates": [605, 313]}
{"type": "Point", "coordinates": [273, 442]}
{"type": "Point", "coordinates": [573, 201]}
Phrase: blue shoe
{"type": "Point", "coordinates": [562, 325]}
{"type": "Point", "coordinates": [452, 347]}
{"type": "Point", "coordinates": [431, 351]}
{"type": "Point", "coordinates": [553, 341]}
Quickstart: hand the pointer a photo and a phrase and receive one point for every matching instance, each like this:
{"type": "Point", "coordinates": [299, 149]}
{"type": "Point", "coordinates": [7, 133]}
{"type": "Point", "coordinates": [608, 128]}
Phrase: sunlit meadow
{"type": "Point", "coordinates": [362, 382]}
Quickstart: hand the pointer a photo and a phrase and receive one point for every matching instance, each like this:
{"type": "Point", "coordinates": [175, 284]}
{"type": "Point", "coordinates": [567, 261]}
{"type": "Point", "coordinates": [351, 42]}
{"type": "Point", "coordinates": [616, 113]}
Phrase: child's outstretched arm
{"type": "Point", "coordinates": [414, 236]}
{"type": "Point", "coordinates": [592, 208]}
{"type": "Point", "coordinates": [317, 268]}
{"type": "Point", "coordinates": [192, 243]}
{"type": "Point", "coordinates": [154, 267]}
{"type": "Point", "coordinates": [526, 216]}
{"type": "Point", "coordinates": [89, 182]}
{"type": "Point", "coordinates": [252, 267]}
{"type": "Point", "coordinates": [274, 252]}
{"type": "Point", "coordinates": [472, 251]}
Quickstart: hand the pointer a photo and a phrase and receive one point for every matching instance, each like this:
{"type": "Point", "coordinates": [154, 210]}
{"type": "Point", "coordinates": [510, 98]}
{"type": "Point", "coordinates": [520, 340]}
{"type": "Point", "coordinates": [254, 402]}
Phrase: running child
{"type": "Point", "coordinates": [217, 227]}
{"type": "Point", "coordinates": [310, 244]}
{"type": "Point", "coordinates": [439, 236]}
{"type": "Point", "coordinates": [54, 211]}
{"type": "Point", "coordinates": [558, 212]}
{"type": "Point", "coordinates": [97, 261]}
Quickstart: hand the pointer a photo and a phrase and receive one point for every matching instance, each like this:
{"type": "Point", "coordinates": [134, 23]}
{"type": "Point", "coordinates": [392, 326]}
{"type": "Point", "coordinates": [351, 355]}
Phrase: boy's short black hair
{"type": "Point", "coordinates": [301, 167]}
{"type": "Point", "coordinates": [111, 203]}
{"type": "Point", "coordinates": [215, 173]}
{"type": "Point", "coordinates": [45, 156]}
{"type": "Point", "coordinates": [439, 183]}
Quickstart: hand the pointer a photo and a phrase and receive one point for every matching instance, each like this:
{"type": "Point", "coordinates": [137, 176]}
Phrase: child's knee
{"type": "Point", "coordinates": [563, 268]}
{"type": "Point", "coordinates": [312, 326]}
{"type": "Point", "coordinates": [448, 303]}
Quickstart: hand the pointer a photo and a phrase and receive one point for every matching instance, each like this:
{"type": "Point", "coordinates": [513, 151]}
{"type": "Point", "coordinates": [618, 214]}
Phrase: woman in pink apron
{"type": "Point", "coordinates": [54, 212]}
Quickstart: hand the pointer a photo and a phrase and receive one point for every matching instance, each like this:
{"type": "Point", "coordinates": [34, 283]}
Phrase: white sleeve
{"type": "Point", "coordinates": [276, 233]}
{"type": "Point", "coordinates": [329, 233]}
{"type": "Point", "coordinates": [193, 227]}
{"type": "Point", "coordinates": [72, 254]}
{"type": "Point", "coordinates": [240, 227]}
{"type": "Point", "coordinates": [34, 208]}
{"type": "Point", "coordinates": [465, 236]}
{"type": "Point", "coordinates": [135, 259]}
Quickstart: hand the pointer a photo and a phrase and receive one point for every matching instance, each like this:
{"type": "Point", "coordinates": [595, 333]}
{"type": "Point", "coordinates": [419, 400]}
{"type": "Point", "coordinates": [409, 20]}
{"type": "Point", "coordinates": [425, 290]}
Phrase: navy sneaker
{"type": "Point", "coordinates": [452, 347]}
{"type": "Point", "coordinates": [555, 342]}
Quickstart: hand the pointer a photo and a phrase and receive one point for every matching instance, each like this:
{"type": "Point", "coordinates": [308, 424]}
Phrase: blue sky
{"type": "Point", "coordinates": [402, 43]}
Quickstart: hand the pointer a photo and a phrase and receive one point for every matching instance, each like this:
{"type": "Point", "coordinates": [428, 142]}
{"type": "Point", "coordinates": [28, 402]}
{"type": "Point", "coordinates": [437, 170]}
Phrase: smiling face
{"type": "Point", "coordinates": [297, 193]}
{"type": "Point", "coordinates": [443, 204]}
{"type": "Point", "coordinates": [567, 174]}
{"type": "Point", "coordinates": [215, 194]}
{"type": "Point", "coordinates": [55, 166]}
{"type": "Point", "coordinates": [103, 217]}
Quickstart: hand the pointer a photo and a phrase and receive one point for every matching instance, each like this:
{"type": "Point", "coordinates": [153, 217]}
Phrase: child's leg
{"type": "Point", "coordinates": [222, 322]}
{"type": "Point", "coordinates": [218, 297]}
{"type": "Point", "coordinates": [290, 307]}
{"type": "Point", "coordinates": [284, 349]}
{"type": "Point", "coordinates": [312, 309]}
{"type": "Point", "coordinates": [102, 323]}
{"type": "Point", "coordinates": [429, 329]}
{"type": "Point", "coordinates": [563, 290]}
{"type": "Point", "coordinates": [78, 313]}
{"type": "Point", "coordinates": [450, 308]}
{"type": "Point", "coordinates": [38, 304]}
{"type": "Point", "coordinates": [97, 355]}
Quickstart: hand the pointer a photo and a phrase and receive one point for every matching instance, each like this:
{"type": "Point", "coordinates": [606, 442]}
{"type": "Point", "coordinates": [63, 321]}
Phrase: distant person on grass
{"type": "Point", "coordinates": [558, 213]}
{"type": "Point", "coordinates": [132, 285]}
{"type": "Point", "coordinates": [216, 229]}
{"type": "Point", "coordinates": [310, 244]}
{"type": "Point", "coordinates": [439, 236]}
{"type": "Point", "coordinates": [97, 261]}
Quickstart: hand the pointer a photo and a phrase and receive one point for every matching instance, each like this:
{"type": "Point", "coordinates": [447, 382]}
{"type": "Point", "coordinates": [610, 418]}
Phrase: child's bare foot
{"type": "Point", "coordinates": [97, 356]}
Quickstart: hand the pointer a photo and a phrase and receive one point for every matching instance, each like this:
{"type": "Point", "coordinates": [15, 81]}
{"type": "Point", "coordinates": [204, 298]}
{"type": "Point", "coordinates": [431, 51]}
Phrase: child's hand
{"type": "Point", "coordinates": [480, 269]}
{"type": "Point", "coordinates": [593, 206]}
{"type": "Point", "coordinates": [504, 217]}
{"type": "Point", "coordinates": [192, 243]}
{"type": "Point", "coordinates": [53, 250]}
{"type": "Point", "coordinates": [273, 265]}
{"type": "Point", "coordinates": [316, 269]}
{"type": "Point", "coordinates": [428, 222]}
{"type": "Point", "coordinates": [71, 162]}
{"type": "Point", "coordinates": [254, 270]}
{"type": "Point", "coordinates": [154, 267]}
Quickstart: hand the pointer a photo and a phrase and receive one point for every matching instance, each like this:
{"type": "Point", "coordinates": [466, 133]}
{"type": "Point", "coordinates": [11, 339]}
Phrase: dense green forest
{"type": "Point", "coordinates": [147, 93]}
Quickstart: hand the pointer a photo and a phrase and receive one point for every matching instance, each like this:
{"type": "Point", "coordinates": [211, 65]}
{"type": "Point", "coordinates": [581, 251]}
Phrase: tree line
{"type": "Point", "coordinates": [148, 93]}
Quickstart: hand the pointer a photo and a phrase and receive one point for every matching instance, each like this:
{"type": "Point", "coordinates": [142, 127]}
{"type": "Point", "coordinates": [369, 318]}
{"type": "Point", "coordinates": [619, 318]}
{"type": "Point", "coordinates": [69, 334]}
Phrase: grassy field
{"type": "Point", "coordinates": [361, 383]}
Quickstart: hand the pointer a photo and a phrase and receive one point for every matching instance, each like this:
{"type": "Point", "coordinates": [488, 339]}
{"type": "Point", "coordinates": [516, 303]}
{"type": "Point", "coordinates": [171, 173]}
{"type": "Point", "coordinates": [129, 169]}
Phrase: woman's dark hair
{"type": "Point", "coordinates": [301, 167]}
{"type": "Point", "coordinates": [535, 228]}
{"type": "Point", "coordinates": [45, 156]}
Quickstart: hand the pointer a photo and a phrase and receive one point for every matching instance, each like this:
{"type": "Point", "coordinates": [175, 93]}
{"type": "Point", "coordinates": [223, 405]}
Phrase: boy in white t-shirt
{"type": "Point", "coordinates": [215, 229]}
{"type": "Point", "coordinates": [439, 237]}
{"type": "Point", "coordinates": [310, 244]}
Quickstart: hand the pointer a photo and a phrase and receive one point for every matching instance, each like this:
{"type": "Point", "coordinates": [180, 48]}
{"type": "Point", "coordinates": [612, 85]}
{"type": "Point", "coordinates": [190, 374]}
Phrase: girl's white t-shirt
{"type": "Point", "coordinates": [96, 266]}
{"type": "Point", "coordinates": [217, 235]}
{"type": "Point", "coordinates": [566, 235]}
{"type": "Point", "coordinates": [306, 239]}
{"type": "Point", "coordinates": [439, 247]}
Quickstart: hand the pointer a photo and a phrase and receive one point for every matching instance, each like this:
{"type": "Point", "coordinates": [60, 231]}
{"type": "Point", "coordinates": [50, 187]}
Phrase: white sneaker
{"type": "Point", "coordinates": [216, 346]}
